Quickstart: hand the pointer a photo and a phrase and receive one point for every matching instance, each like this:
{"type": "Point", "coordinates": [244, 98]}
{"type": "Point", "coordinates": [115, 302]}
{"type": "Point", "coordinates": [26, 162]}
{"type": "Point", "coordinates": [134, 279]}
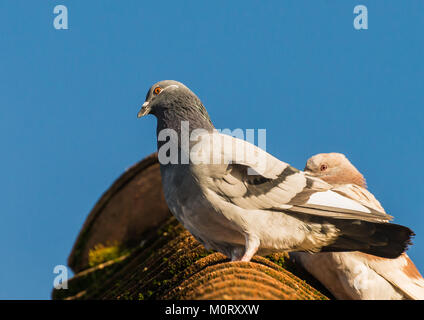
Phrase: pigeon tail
{"type": "Point", "coordinates": [386, 240]}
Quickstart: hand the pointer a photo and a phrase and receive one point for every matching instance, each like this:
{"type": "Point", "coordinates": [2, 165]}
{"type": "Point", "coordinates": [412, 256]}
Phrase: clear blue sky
{"type": "Point", "coordinates": [299, 69]}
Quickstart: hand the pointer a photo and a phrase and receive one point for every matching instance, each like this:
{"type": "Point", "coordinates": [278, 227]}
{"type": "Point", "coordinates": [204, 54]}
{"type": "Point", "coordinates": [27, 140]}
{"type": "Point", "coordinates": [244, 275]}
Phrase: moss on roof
{"type": "Point", "coordinates": [173, 265]}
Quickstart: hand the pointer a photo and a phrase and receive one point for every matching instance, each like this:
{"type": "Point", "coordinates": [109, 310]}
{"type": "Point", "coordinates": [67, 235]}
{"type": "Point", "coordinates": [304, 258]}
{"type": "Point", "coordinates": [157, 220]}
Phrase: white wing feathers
{"type": "Point", "coordinates": [251, 178]}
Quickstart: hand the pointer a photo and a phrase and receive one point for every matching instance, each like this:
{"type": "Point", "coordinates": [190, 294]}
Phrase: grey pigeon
{"type": "Point", "coordinates": [239, 205]}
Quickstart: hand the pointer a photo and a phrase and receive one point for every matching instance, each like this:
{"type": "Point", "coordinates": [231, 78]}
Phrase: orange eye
{"type": "Point", "coordinates": [157, 90]}
{"type": "Point", "coordinates": [323, 167]}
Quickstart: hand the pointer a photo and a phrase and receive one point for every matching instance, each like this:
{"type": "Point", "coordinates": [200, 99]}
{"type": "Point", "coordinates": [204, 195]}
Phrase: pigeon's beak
{"type": "Point", "coordinates": [145, 109]}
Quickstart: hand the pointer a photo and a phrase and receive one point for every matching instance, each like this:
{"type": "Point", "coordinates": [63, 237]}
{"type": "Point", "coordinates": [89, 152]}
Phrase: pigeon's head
{"type": "Point", "coordinates": [335, 169]}
{"type": "Point", "coordinates": [172, 99]}
{"type": "Point", "coordinates": [160, 94]}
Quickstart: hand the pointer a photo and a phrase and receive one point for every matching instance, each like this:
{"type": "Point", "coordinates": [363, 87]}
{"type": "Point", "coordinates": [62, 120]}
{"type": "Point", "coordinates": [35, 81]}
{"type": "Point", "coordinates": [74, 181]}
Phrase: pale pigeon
{"type": "Point", "coordinates": [356, 275]}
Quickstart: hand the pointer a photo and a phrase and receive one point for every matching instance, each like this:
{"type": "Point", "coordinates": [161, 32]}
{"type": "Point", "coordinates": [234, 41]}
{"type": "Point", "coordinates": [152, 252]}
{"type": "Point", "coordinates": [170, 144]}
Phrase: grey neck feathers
{"type": "Point", "coordinates": [182, 108]}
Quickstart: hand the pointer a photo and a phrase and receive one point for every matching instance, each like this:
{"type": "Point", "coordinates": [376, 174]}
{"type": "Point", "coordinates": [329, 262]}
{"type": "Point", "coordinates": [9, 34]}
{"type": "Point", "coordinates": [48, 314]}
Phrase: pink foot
{"type": "Point", "coordinates": [252, 246]}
